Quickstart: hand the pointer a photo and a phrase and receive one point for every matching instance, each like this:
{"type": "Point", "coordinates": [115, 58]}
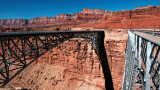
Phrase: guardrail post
{"type": "Point", "coordinates": [148, 65]}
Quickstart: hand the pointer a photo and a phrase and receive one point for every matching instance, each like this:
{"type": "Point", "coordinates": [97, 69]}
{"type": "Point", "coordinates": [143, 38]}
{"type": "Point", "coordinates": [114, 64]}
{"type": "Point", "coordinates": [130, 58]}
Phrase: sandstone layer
{"type": "Point", "coordinates": [140, 17]}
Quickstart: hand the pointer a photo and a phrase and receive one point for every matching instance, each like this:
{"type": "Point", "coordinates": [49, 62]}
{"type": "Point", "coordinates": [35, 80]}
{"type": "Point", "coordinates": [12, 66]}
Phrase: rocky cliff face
{"type": "Point", "coordinates": [66, 17]}
{"type": "Point", "coordinates": [72, 65]}
{"type": "Point", "coordinates": [42, 20]}
{"type": "Point", "coordinates": [84, 16]}
{"type": "Point", "coordinates": [13, 22]}
{"type": "Point", "coordinates": [52, 20]}
{"type": "Point", "coordinates": [89, 17]}
{"type": "Point", "coordinates": [94, 11]}
{"type": "Point", "coordinates": [141, 17]}
{"type": "Point", "coordinates": [146, 17]}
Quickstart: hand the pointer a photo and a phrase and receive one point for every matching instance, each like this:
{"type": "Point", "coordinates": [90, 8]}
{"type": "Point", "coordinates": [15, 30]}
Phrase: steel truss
{"type": "Point", "coordinates": [142, 65]}
{"type": "Point", "coordinates": [20, 49]}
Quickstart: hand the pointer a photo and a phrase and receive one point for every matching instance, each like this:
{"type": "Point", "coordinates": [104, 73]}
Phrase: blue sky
{"type": "Point", "coordinates": [28, 9]}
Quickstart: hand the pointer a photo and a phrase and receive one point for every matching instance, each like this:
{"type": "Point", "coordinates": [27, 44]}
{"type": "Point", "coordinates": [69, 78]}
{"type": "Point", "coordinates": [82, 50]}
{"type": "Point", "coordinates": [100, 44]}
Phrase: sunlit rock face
{"type": "Point", "coordinates": [42, 20]}
{"type": "Point", "coordinates": [146, 17]}
{"type": "Point", "coordinates": [94, 11]}
{"type": "Point", "coordinates": [140, 17]}
{"type": "Point", "coordinates": [13, 22]}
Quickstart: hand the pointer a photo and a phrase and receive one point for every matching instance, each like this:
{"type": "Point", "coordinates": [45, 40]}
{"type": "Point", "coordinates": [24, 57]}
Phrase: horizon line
{"type": "Point", "coordinates": [79, 12]}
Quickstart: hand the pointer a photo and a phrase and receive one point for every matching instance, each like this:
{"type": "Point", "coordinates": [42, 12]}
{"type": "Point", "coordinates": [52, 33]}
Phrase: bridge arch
{"type": "Point", "coordinates": [34, 44]}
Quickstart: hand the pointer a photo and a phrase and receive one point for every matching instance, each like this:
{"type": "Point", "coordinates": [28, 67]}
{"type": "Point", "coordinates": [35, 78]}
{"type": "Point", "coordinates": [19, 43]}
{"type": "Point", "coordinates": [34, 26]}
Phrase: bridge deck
{"type": "Point", "coordinates": [30, 33]}
{"type": "Point", "coordinates": [152, 38]}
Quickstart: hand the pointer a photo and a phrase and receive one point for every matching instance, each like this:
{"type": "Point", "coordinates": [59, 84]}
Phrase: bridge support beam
{"type": "Point", "coordinates": [26, 47]}
{"type": "Point", "coordinates": [148, 66]}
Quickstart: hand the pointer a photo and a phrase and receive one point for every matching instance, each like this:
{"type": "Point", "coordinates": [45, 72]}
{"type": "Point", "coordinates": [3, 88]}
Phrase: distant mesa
{"type": "Point", "coordinates": [94, 11]}
{"type": "Point", "coordinates": [149, 6]}
{"type": "Point", "coordinates": [140, 17]}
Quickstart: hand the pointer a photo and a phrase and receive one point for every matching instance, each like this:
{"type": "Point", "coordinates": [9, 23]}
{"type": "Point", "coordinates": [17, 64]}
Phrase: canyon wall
{"type": "Point", "coordinates": [61, 19]}
{"type": "Point", "coordinates": [13, 22]}
{"type": "Point", "coordinates": [72, 65]}
{"type": "Point", "coordinates": [141, 17]}
{"type": "Point", "coordinates": [146, 17]}
{"type": "Point", "coordinates": [94, 11]}
{"type": "Point", "coordinates": [42, 20]}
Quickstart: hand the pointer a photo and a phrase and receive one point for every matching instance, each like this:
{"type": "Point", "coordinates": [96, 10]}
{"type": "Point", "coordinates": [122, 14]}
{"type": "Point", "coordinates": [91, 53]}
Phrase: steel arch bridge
{"type": "Point", "coordinates": [19, 49]}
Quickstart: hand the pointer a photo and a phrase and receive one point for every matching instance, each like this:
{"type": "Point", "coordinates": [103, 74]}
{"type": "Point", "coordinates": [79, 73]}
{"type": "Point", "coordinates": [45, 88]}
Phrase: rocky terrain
{"type": "Point", "coordinates": [13, 22]}
{"type": "Point", "coordinates": [140, 17]}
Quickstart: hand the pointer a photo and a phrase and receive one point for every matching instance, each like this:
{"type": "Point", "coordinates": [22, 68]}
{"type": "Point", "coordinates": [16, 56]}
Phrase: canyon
{"type": "Point", "coordinates": [140, 17]}
{"type": "Point", "coordinates": [74, 65]}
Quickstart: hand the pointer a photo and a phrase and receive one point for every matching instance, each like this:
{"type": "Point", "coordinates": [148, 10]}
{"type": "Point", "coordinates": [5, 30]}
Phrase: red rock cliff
{"type": "Point", "coordinates": [13, 22]}
{"type": "Point", "coordinates": [94, 11]}
{"type": "Point", "coordinates": [146, 17]}
{"type": "Point", "coordinates": [42, 20]}
{"type": "Point", "coordinates": [65, 17]}
{"type": "Point", "coordinates": [141, 17]}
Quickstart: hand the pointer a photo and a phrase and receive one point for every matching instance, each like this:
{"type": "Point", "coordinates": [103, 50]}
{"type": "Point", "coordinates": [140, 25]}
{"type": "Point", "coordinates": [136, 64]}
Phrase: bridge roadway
{"type": "Point", "coordinates": [19, 49]}
{"type": "Point", "coordinates": [149, 35]}
{"type": "Point", "coordinates": [31, 33]}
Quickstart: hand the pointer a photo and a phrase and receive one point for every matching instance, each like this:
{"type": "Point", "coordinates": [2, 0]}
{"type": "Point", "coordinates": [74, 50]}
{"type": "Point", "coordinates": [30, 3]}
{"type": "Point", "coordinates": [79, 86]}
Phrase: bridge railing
{"type": "Point", "coordinates": [142, 64]}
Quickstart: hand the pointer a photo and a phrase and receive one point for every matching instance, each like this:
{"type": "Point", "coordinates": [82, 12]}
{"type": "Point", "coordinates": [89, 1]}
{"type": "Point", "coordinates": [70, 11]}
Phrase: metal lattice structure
{"type": "Point", "coordinates": [142, 65]}
{"type": "Point", "coordinates": [20, 49]}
